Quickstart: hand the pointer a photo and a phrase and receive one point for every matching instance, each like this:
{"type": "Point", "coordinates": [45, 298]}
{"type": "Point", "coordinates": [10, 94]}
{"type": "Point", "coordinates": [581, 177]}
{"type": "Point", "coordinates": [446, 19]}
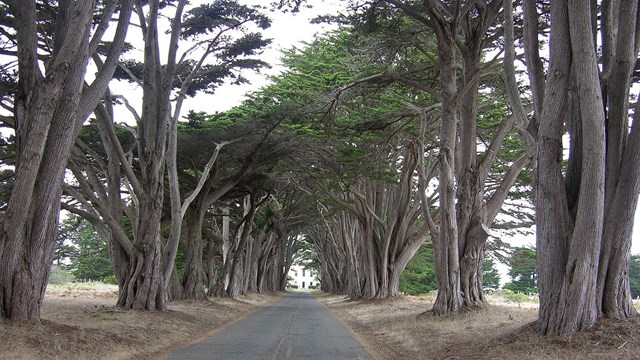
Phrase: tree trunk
{"type": "Point", "coordinates": [471, 272]}
{"type": "Point", "coordinates": [619, 21]}
{"type": "Point", "coordinates": [446, 253]}
{"type": "Point", "coordinates": [116, 251]}
{"type": "Point", "coordinates": [45, 109]}
{"type": "Point", "coordinates": [553, 223]}
{"type": "Point", "coordinates": [235, 267]}
{"type": "Point", "coordinates": [401, 263]}
{"type": "Point", "coordinates": [535, 69]}
{"type": "Point", "coordinates": [194, 270]}
{"type": "Point", "coordinates": [144, 288]}
{"type": "Point", "coordinates": [470, 210]}
{"type": "Point", "coordinates": [614, 293]}
{"type": "Point", "coordinates": [568, 260]}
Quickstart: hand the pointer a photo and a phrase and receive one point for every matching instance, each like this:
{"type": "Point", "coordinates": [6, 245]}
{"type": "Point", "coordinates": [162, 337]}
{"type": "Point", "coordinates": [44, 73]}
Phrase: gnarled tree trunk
{"type": "Point", "coordinates": [49, 109]}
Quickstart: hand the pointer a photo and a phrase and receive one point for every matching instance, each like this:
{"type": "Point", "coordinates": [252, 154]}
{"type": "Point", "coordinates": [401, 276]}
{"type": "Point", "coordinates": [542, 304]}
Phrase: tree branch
{"type": "Point", "coordinates": [494, 204]}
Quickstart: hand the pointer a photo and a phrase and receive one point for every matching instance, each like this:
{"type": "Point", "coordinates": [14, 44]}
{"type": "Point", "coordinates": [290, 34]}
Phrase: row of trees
{"type": "Point", "coordinates": [83, 254]}
{"type": "Point", "coordinates": [118, 175]}
{"type": "Point", "coordinates": [405, 127]}
{"type": "Point", "coordinates": [584, 205]}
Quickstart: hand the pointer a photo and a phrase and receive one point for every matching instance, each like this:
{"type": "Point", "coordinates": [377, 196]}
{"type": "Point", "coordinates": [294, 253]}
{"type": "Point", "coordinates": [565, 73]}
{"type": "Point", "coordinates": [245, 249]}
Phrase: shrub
{"type": "Point", "coordinates": [111, 279]}
{"type": "Point", "coordinates": [514, 297]}
{"type": "Point", "coordinates": [518, 298]}
{"type": "Point", "coordinates": [60, 276]}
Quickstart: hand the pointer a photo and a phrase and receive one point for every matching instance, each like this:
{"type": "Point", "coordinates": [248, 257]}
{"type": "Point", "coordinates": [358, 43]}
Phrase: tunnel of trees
{"type": "Point", "coordinates": [409, 137]}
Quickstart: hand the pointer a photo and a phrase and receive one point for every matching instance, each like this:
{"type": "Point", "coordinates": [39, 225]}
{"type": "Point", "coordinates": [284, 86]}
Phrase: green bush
{"type": "Point", "coordinates": [60, 276]}
{"type": "Point", "coordinates": [515, 297]}
{"type": "Point", "coordinates": [419, 277]}
{"type": "Point", "coordinates": [111, 279]}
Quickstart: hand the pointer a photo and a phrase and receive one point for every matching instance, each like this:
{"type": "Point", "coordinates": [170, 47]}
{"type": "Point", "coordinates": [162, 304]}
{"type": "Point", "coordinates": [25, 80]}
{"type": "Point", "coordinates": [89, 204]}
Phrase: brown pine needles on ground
{"type": "Point", "coordinates": [401, 328]}
{"type": "Point", "coordinates": [81, 323]}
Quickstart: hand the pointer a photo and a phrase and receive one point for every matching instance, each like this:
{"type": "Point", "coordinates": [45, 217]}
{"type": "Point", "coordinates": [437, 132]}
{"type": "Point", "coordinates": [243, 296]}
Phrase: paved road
{"type": "Point", "coordinates": [296, 327]}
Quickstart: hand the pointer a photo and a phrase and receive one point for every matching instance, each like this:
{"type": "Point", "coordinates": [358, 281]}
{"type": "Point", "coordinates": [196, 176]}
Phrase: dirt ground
{"type": "Point", "coordinates": [81, 323]}
{"type": "Point", "coordinates": [400, 329]}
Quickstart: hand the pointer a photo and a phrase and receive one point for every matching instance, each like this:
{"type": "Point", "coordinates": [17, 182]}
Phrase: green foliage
{"type": "Point", "coordinates": [523, 271]}
{"type": "Point", "coordinates": [419, 277]}
{"type": "Point", "coordinates": [111, 279]}
{"type": "Point", "coordinates": [221, 14]}
{"type": "Point", "coordinates": [512, 296]}
{"type": "Point", "coordinates": [60, 276]}
{"type": "Point", "coordinates": [86, 253]}
{"type": "Point", "coordinates": [8, 83]}
{"type": "Point", "coordinates": [634, 275]}
{"type": "Point", "coordinates": [305, 256]}
{"type": "Point", "coordinates": [491, 278]}
{"type": "Point", "coordinates": [220, 30]}
{"type": "Point", "coordinates": [516, 297]}
{"type": "Point", "coordinates": [7, 175]}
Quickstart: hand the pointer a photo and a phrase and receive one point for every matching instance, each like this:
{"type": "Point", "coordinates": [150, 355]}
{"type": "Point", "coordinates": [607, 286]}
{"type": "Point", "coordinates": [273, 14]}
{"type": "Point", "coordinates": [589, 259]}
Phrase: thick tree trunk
{"type": "Point", "coordinates": [568, 277]}
{"type": "Point", "coordinates": [553, 223]}
{"type": "Point", "coordinates": [614, 295]}
{"type": "Point", "coordinates": [45, 110]}
{"type": "Point", "coordinates": [400, 264]}
{"type": "Point", "coordinates": [446, 251]}
{"type": "Point", "coordinates": [471, 272]}
{"type": "Point", "coordinates": [619, 21]}
{"type": "Point", "coordinates": [470, 211]}
{"type": "Point", "coordinates": [614, 292]}
{"type": "Point", "coordinates": [194, 270]}
{"type": "Point", "coordinates": [144, 288]}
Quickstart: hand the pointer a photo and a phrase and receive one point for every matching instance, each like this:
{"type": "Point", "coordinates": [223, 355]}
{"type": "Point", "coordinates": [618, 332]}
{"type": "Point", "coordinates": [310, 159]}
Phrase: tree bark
{"type": "Point", "coordinates": [569, 248]}
{"type": "Point", "coordinates": [194, 270]}
{"type": "Point", "coordinates": [145, 287]}
{"type": "Point", "coordinates": [446, 252]}
{"type": "Point", "coordinates": [48, 118]}
{"type": "Point", "coordinates": [619, 25]}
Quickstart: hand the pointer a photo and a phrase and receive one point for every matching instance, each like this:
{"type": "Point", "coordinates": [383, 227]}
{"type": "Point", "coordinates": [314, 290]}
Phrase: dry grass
{"type": "Point", "coordinates": [79, 322]}
{"type": "Point", "coordinates": [400, 328]}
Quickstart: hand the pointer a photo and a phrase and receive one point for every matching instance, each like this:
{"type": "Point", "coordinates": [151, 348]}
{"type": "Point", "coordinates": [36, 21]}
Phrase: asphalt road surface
{"type": "Point", "coordinates": [296, 327]}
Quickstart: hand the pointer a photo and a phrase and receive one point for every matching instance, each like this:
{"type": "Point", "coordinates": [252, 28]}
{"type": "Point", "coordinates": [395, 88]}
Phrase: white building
{"type": "Point", "coordinates": [303, 278]}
